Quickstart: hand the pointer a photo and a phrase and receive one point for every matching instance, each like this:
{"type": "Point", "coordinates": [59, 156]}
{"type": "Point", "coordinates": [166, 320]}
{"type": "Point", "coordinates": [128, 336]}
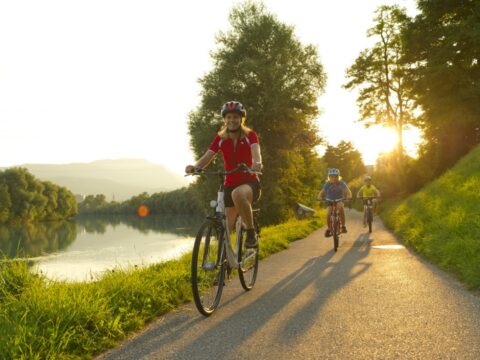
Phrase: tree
{"type": "Point", "coordinates": [442, 45]}
{"type": "Point", "coordinates": [345, 157]}
{"type": "Point", "coordinates": [51, 193]}
{"type": "Point", "coordinates": [93, 204]}
{"type": "Point", "coordinates": [67, 205]}
{"type": "Point", "coordinates": [23, 198]}
{"type": "Point", "coordinates": [382, 78]}
{"type": "Point", "coordinates": [5, 202]}
{"type": "Point", "coordinates": [25, 194]}
{"type": "Point", "coordinates": [262, 64]}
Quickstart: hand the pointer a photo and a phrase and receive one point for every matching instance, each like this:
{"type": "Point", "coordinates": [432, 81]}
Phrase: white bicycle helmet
{"type": "Point", "coordinates": [333, 171]}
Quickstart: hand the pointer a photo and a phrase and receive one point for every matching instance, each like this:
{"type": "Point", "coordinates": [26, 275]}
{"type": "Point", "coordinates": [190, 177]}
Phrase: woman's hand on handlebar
{"type": "Point", "coordinates": [244, 168]}
{"type": "Point", "coordinates": [189, 169]}
{"type": "Point", "coordinates": [192, 170]}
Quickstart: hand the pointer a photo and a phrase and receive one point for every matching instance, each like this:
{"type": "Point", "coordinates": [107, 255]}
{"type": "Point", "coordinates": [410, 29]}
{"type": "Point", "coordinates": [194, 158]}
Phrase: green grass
{"type": "Point", "coordinates": [40, 319]}
{"type": "Point", "coordinates": [442, 221]}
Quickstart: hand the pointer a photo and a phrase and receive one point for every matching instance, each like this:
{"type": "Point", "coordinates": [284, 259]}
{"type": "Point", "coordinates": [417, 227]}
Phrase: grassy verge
{"type": "Point", "coordinates": [57, 320]}
{"type": "Point", "coordinates": [442, 221]}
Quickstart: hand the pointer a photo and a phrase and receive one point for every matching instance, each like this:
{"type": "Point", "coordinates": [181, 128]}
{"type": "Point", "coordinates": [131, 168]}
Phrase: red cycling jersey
{"type": "Point", "coordinates": [232, 157]}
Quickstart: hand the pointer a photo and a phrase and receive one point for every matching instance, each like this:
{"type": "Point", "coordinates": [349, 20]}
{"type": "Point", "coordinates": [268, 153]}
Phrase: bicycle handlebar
{"type": "Point", "coordinates": [368, 197]}
{"type": "Point", "coordinates": [335, 200]}
{"type": "Point", "coordinates": [241, 168]}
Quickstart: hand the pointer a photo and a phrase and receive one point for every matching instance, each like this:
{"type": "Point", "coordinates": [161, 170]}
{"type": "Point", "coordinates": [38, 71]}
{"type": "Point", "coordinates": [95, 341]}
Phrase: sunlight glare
{"type": "Point", "coordinates": [377, 140]}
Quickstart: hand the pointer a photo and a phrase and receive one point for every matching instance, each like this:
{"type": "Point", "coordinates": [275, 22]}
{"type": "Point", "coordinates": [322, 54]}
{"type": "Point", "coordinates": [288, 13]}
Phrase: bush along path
{"type": "Point", "coordinates": [442, 221]}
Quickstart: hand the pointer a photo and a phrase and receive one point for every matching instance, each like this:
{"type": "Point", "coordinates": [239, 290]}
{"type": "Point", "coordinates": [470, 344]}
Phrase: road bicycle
{"type": "Point", "coordinates": [214, 258]}
{"type": "Point", "coordinates": [368, 210]}
{"type": "Point", "coordinates": [334, 221]}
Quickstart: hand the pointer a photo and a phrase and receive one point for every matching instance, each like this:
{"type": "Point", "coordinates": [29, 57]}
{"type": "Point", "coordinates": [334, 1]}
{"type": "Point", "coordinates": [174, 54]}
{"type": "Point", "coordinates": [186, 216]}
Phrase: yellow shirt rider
{"type": "Point", "coordinates": [368, 191]}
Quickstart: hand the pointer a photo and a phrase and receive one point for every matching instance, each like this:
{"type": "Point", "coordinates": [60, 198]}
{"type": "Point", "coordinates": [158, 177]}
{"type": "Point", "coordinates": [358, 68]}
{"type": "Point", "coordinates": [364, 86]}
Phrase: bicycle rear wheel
{"type": "Point", "coordinates": [247, 262]}
{"type": "Point", "coordinates": [208, 267]}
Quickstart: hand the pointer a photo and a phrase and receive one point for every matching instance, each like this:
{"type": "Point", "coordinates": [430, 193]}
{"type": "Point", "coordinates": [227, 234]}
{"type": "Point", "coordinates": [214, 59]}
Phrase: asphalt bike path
{"type": "Point", "coordinates": [373, 299]}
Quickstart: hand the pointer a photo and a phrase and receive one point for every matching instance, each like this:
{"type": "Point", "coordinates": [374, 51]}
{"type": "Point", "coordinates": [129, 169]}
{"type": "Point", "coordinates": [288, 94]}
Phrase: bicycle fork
{"type": "Point", "coordinates": [333, 220]}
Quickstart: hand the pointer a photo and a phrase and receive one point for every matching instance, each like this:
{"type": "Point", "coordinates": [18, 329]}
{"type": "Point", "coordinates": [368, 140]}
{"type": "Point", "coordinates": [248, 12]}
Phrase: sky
{"type": "Point", "coordinates": [108, 79]}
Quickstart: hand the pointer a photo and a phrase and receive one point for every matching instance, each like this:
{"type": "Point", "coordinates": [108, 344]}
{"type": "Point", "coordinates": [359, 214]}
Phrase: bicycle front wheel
{"type": "Point", "coordinates": [369, 220]}
{"type": "Point", "coordinates": [208, 267]}
{"type": "Point", "coordinates": [247, 262]}
{"type": "Point", "coordinates": [336, 232]}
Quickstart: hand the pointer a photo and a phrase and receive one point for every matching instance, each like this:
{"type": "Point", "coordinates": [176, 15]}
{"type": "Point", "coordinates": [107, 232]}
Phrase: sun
{"type": "Point", "coordinates": [374, 141]}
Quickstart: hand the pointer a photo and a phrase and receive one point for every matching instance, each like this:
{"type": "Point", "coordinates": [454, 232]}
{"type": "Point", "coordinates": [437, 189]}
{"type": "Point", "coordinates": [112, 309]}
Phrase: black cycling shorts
{"type": "Point", "coordinates": [227, 192]}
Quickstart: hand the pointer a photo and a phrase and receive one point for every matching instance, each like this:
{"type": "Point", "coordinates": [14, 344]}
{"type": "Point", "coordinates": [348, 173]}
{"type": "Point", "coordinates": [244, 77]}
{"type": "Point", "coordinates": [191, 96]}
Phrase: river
{"type": "Point", "coordinates": [84, 248]}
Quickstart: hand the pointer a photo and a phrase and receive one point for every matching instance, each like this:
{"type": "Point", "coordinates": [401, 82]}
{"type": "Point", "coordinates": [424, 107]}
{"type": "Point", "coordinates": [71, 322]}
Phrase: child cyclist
{"type": "Point", "coordinates": [368, 191]}
{"type": "Point", "coordinates": [335, 189]}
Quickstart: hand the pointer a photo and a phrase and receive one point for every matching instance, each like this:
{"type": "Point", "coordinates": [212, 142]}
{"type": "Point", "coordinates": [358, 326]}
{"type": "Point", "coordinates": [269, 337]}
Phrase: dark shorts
{"type": "Point", "coordinates": [227, 192]}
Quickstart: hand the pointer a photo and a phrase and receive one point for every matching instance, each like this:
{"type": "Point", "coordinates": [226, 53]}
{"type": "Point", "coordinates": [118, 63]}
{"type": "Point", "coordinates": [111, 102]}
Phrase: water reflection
{"type": "Point", "coordinates": [174, 224]}
{"type": "Point", "coordinates": [79, 249]}
{"type": "Point", "coordinates": [31, 240]}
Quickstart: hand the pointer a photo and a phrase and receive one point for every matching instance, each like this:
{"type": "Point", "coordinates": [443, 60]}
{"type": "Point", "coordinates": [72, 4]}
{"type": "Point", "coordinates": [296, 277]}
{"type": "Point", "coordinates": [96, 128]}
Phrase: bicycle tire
{"type": "Point", "coordinates": [369, 220]}
{"type": "Point", "coordinates": [208, 267]}
{"type": "Point", "coordinates": [247, 261]}
{"type": "Point", "coordinates": [336, 232]}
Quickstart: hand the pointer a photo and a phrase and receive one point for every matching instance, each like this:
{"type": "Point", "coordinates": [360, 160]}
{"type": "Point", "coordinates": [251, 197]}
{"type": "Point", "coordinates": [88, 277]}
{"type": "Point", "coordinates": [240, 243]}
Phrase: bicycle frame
{"type": "Point", "coordinates": [220, 212]}
{"type": "Point", "coordinates": [212, 265]}
{"type": "Point", "coordinates": [334, 221]}
{"type": "Point", "coordinates": [368, 210]}
{"type": "Point", "coordinates": [334, 215]}
{"type": "Point", "coordinates": [221, 215]}
{"type": "Point", "coordinates": [367, 204]}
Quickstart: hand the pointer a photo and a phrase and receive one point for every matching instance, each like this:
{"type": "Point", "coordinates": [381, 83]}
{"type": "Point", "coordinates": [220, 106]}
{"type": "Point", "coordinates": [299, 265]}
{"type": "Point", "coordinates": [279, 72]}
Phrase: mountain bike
{"type": "Point", "coordinates": [368, 210]}
{"type": "Point", "coordinates": [334, 221]}
{"type": "Point", "coordinates": [214, 258]}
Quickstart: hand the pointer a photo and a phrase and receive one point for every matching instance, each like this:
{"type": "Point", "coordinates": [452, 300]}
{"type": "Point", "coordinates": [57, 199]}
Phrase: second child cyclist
{"type": "Point", "coordinates": [239, 145]}
{"type": "Point", "coordinates": [366, 191]}
{"type": "Point", "coordinates": [335, 189]}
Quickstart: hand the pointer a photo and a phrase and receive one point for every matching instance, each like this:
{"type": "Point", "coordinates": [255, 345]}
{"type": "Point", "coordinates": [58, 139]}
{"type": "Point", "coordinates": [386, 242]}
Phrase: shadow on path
{"type": "Point", "coordinates": [246, 321]}
{"type": "Point", "coordinates": [222, 337]}
{"type": "Point", "coordinates": [326, 284]}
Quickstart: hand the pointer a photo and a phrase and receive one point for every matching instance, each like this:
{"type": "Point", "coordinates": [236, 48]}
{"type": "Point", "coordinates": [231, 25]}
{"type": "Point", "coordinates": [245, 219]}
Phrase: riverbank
{"type": "Point", "coordinates": [44, 319]}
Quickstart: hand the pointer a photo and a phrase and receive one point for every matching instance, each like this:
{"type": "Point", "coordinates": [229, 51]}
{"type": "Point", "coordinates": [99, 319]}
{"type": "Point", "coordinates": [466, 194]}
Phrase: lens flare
{"type": "Point", "coordinates": [142, 210]}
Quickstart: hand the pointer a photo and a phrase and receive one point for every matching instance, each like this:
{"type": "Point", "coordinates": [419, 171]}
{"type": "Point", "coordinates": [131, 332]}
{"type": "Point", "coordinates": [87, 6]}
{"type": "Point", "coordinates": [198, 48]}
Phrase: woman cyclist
{"type": "Point", "coordinates": [335, 189]}
{"type": "Point", "coordinates": [239, 145]}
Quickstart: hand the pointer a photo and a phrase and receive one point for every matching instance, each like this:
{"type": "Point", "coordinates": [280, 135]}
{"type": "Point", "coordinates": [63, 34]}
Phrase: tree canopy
{"type": "Point", "coordinates": [442, 44]}
{"type": "Point", "coordinates": [24, 198]}
{"type": "Point", "coordinates": [261, 63]}
{"type": "Point", "coordinates": [429, 66]}
{"type": "Point", "coordinates": [382, 77]}
{"type": "Point", "coordinates": [345, 157]}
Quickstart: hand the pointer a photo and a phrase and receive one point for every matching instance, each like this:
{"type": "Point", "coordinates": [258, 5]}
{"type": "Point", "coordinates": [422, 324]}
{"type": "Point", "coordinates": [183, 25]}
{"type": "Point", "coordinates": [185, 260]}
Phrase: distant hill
{"type": "Point", "coordinates": [121, 178]}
